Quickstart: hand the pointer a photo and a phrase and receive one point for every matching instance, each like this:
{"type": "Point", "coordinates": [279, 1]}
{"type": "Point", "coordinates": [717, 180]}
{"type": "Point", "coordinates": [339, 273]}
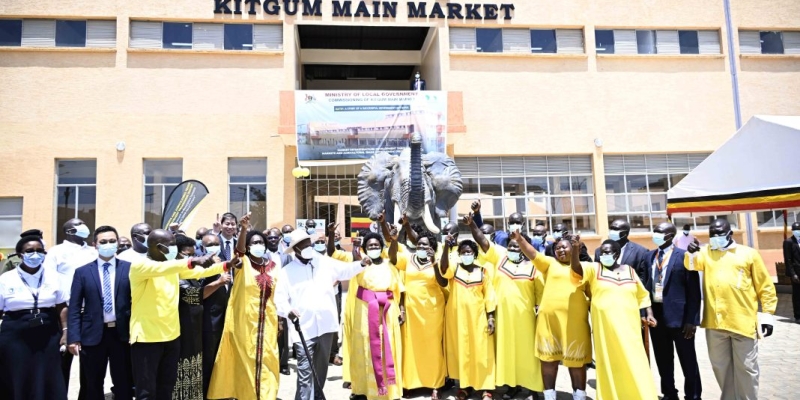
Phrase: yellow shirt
{"type": "Point", "coordinates": [154, 297]}
{"type": "Point", "coordinates": [735, 280]}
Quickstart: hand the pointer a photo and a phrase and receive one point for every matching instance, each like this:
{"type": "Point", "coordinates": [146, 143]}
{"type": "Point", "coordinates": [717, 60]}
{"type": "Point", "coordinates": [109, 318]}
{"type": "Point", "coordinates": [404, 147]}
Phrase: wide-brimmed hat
{"type": "Point", "coordinates": [297, 236]}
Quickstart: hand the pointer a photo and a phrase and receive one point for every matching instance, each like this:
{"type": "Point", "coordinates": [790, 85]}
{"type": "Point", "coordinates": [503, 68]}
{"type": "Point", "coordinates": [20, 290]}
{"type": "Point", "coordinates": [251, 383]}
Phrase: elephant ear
{"type": "Point", "coordinates": [446, 180]}
{"type": "Point", "coordinates": [374, 183]}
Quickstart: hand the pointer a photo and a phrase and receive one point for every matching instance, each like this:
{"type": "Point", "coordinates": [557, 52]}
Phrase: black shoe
{"type": "Point", "coordinates": [285, 370]}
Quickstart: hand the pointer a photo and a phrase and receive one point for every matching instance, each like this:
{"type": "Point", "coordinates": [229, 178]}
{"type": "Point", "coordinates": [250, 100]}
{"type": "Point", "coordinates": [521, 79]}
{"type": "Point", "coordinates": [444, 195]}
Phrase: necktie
{"type": "Point", "coordinates": [107, 305]}
{"type": "Point", "coordinates": [227, 250]}
{"type": "Point", "coordinates": [659, 260]}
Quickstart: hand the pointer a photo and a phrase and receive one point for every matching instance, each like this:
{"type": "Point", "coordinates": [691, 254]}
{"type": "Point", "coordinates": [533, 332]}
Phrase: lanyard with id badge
{"type": "Point", "coordinates": [658, 287]}
{"type": "Point", "coordinates": [37, 319]}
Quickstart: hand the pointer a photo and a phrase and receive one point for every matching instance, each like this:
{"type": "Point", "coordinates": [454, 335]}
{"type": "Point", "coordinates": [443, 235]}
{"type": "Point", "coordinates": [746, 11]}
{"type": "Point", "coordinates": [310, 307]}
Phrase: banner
{"type": "Point", "coordinates": [355, 124]}
{"type": "Point", "coordinates": [182, 203]}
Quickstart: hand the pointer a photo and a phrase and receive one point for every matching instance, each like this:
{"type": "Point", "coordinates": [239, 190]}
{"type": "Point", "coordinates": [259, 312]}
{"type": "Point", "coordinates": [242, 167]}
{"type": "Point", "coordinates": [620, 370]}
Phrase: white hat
{"type": "Point", "coordinates": [297, 236]}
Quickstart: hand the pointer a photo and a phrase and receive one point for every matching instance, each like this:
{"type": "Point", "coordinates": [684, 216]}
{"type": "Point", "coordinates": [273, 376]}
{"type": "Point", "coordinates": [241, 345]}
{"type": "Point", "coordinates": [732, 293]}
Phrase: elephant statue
{"type": "Point", "coordinates": [422, 187]}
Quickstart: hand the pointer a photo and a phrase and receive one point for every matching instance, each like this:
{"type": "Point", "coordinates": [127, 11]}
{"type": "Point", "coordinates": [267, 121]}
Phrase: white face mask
{"type": "Point", "coordinates": [422, 254]}
{"type": "Point", "coordinates": [515, 227]}
{"type": "Point", "coordinates": [614, 235]}
{"type": "Point", "coordinates": [467, 259]}
{"type": "Point", "coordinates": [319, 247]}
{"type": "Point", "coordinates": [107, 250]}
{"type": "Point", "coordinates": [307, 253]}
{"type": "Point", "coordinates": [213, 250]}
{"type": "Point", "coordinates": [82, 231]}
{"type": "Point", "coordinates": [514, 256]}
{"type": "Point", "coordinates": [258, 250]}
{"type": "Point", "coordinates": [374, 254]}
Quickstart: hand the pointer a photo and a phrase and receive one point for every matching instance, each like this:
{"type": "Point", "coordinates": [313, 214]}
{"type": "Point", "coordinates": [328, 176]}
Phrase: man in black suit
{"type": "Point", "coordinates": [99, 317]}
{"type": "Point", "coordinates": [675, 295]}
{"type": "Point", "coordinates": [632, 254]}
{"type": "Point", "coordinates": [791, 259]}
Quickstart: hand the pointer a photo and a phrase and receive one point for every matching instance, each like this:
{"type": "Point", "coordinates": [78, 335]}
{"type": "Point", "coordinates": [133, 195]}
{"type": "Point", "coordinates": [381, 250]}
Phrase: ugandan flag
{"type": "Point", "coordinates": [776, 199]}
{"type": "Point", "coordinates": [359, 222]}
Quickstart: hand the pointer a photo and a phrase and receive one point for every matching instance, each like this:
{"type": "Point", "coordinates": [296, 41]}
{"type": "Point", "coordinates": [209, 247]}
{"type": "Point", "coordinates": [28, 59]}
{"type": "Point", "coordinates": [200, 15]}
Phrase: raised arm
{"type": "Point", "coordinates": [241, 245]}
{"type": "Point", "coordinates": [479, 237]}
{"type": "Point", "coordinates": [393, 234]}
{"type": "Point", "coordinates": [410, 232]}
{"type": "Point", "coordinates": [384, 225]}
{"type": "Point", "coordinates": [476, 213]}
{"type": "Point", "coordinates": [575, 260]}
{"type": "Point", "coordinates": [330, 230]}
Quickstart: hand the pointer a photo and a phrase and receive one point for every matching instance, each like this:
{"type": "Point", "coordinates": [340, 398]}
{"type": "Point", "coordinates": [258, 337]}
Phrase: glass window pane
{"type": "Point", "coordinates": [604, 41]}
{"type": "Point", "coordinates": [646, 42]}
{"type": "Point", "coordinates": [153, 205]}
{"type": "Point", "coordinates": [514, 186]}
{"type": "Point", "coordinates": [258, 207]}
{"type": "Point", "coordinates": [87, 205]}
{"type": "Point", "coordinates": [658, 202]}
{"type": "Point", "coordinates": [561, 204]}
{"type": "Point", "coordinates": [585, 224]}
{"type": "Point", "coordinates": [537, 185]}
{"type": "Point", "coordinates": [702, 223]}
{"type": "Point", "coordinates": [615, 184]}
{"type": "Point", "coordinates": [11, 35]}
{"type": "Point", "coordinates": [543, 41]}
{"type": "Point", "coordinates": [491, 186]}
{"type": "Point", "coordinates": [163, 171]}
{"type": "Point", "coordinates": [10, 222]}
{"type": "Point", "coordinates": [177, 35]}
{"type": "Point", "coordinates": [680, 222]}
{"type": "Point", "coordinates": [238, 37]}
{"type": "Point", "coordinates": [470, 185]}
{"type": "Point", "coordinates": [559, 184]}
{"type": "Point", "coordinates": [582, 185]}
{"type": "Point", "coordinates": [70, 33]}
{"type": "Point", "coordinates": [498, 223]}
{"type": "Point", "coordinates": [489, 40]}
{"type": "Point", "coordinates": [688, 42]}
{"type": "Point", "coordinates": [675, 178]}
{"type": "Point", "coordinates": [514, 204]}
{"type": "Point", "coordinates": [583, 204]}
{"type": "Point", "coordinates": [638, 202]}
{"type": "Point", "coordinates": [617, 203]}
{"type": "Point", "coordinates": [636, 183]}
{"type": "Point", "coordinates": [11, 207]}
{"type": "Point", "coordinates": [657, 183]}
{"type": "Point", "coordinates": [248, 170]}
{"type": "Point", "coordinates": [771, 43]}
{"type": "Point", "coordinates": [656, 219]}
{"type": "Point", "coordinates": [538, 205]}
{"type": "Point", "coordinates": [614, 217]}
{"type": "Point", "coordinates": [65, 208]}
{"type": "Point", "coordinates": [768, 219]}
{"type": "Point", "coordinates": [238, 199]}
{"type": "Point", "coordinates": [640, 223]}
{"type": "Point", "coordinates": [76, 172]}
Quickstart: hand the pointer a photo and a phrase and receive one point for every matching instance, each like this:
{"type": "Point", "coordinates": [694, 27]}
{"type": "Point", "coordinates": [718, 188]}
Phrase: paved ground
{"type": "Point", "coordinates": [778, 357]}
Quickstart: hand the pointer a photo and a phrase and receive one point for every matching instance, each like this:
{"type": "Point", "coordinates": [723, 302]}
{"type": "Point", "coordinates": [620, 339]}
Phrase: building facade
{"type": "Point", "coordinates": [572, 111]}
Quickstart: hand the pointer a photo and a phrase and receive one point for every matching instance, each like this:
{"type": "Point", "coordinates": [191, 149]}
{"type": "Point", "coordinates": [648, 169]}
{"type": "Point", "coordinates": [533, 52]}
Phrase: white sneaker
{"type": "Point", "coordinates": [550, 394]}
{"type": "Point", "coordinates": [579, 395]}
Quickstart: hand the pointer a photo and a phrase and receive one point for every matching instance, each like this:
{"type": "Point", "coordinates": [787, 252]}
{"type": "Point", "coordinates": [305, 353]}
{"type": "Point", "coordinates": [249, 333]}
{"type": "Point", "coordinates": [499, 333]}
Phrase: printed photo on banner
{"type": "Point", "coordinates": [351, 124]}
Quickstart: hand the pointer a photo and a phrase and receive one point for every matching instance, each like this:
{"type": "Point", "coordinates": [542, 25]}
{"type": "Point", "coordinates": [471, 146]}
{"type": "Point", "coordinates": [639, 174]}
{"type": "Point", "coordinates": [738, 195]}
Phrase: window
{"type": "Point", "coordinates": [637, 185]}
{"type": "Point", "coordinates": [769, 42]}
{"type": "Point", "coordinates": [58, 33]}
{"type": "Point", "coordinates": [10, 222]}
{"type": "Point", "coordinates": [629, 41]}
{"type": "Point", "coordinates": [516, 40]}
{"type": "Point", "coordinates": [177, 35]}
{"type": "Point", "coordinates": [331, 194]}
{"type": "Point", "coordinates": [205, 36]}
{"type": "Point", "coordinates": [489, 40]}
{"type": "Point", "coordinates": [160, 178]}
{"type": "Point", "coordinates": [76, 193]}
{"type": "Point", "coordinates": [549, 189]}
{"type": "Point", "coordinates": [247, 188]}
{"type": "Point", "coordinates": [769, 219]}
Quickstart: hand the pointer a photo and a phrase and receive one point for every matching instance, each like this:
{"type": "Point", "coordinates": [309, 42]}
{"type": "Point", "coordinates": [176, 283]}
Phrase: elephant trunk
{"type": "Point", "coordinates": [416, 196]}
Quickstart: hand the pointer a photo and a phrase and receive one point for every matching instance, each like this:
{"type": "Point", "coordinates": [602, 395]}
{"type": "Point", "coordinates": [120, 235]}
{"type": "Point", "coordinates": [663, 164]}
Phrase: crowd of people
{"type": "Point", "coordinates": [216, 316]}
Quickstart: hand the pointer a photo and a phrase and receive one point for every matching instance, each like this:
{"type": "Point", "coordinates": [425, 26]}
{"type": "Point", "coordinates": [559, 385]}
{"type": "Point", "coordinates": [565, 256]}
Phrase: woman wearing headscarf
{"type": "Point", "coordinates": [247, 363]}
{"type": "Point", "coordinates": [190, 314]}
{"type": "Point", "coordinates": [375, 346]}
{"type": "Point", "coordinates": [31, 301]}
{"type": "Point", "coordinates": [617, 296]}
{"type": "Point", "coordinates": [469, 319]}
{"type": "Point", "coordinates": [562, 324]}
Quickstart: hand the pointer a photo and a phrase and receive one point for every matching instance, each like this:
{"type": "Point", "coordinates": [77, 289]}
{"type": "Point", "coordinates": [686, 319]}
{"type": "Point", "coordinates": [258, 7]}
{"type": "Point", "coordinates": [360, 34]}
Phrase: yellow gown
{"type": "Point", "coordinates": [247, 362]}
{"type": "Point", "coordinates": [562, 326]}
{"type": "Point", "coordinates": [518, 288]}
{"type": "Point", "coordinates": [470, 349]}
{"type": "Point", "coordinates": [347, 319]}
{"type": "Point", "coordinates": [423, 332]}
{"type": "Point", "coordinates": [623, 371]}
{"type": "Point", "coordinates": [377, 278]}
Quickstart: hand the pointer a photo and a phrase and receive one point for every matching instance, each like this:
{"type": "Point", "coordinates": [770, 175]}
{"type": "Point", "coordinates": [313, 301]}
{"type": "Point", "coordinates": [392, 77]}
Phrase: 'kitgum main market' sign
{"type": "Point", "coordinates": [348, 8]}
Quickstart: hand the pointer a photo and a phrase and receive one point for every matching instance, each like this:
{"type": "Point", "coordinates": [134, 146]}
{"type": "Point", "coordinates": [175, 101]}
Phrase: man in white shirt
{"type": "Point", "coordinates": [64, 258]}
{"type": "Point", "coordinates": [305, 291]}
{"type": "Point", "coordinates": [139, 234]}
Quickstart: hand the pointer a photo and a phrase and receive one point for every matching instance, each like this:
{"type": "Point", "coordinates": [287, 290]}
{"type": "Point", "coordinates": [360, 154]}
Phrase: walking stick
{"type": "Point", "coordinates": [646, 340]}
{"type": "Point", "coordinates": [296, 322]}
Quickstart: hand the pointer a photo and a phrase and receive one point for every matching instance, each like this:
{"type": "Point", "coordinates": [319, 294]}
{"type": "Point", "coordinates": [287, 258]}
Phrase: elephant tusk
{"type": "Point", "coordinates": [426, 217]}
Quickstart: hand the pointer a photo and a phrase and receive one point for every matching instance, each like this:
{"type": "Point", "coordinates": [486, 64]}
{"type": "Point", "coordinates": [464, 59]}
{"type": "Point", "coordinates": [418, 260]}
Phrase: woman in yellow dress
{"type": "Point", "coordinates": [247, 362]}
{"type": "Point", "coordinates": [562, 325]}
{"type": "Point", "coordinates": [423, 331]}
{"type": "Point", "coordinates": [469, 319]}
{"type": "Point", "coordinates": [617, 296]}
{"type": "Point", "coordinates": [375, 346]}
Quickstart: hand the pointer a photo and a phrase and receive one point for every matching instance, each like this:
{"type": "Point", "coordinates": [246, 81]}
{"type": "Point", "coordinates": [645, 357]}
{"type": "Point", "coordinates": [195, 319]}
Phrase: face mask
{"type": "Point", "coordinates": [258, 250]}
{"type": "Point", "coordinates": [311, 231]}
{"type": "Point", "coordinates": [286, 238]}
{"type": "Point", "coordinates": [607, 260]}
{"type": "Point", "coordinates": [556, 235]}
{"type": "Point", "coordinates": [514, 227]}
{"type": "Point", "coordinates": [416, 76]}
{"type": "Point", "coordinates": [374, 254]}
{"type": "Point", "coordinates": [172, 252]}
{"type": "Point", "coordinates": [685, 233]}
{"type": "Point", "coordinates": [658, 239]}
{"type": "Point", "coordinates": [467, 259]}
{"type": "Point", "coordinates": [198, 243]}
{"type": "Point", "coordinates": [537, 240]}
{"type": "Point", "coordinates": [514, 256]}
{"type": "Point", "coordinates": [33, 260]}
{"type": "Point", "coordinates": [82, 231]}
{"type": "Point", "coordinates": [411, 246]}
{"type": "Point", "coordinates": [319, 247]}
{"type": "Point", "coordinates": [336, 243]}
{"type": "Point", "coordinates": [307, 253]}
{"type": "Point", "coordinates": [107, 250]}
{"type": "Point", "coordinates": [718, 242]}
{"type": "Point", "coordinates": [213, 250]}
{"type": "Point", "coordinates": [614, 235]}
{"type": "Point", "coordinates": [796, 234]}
{"type": "Point", "coordinates": [422, 254]}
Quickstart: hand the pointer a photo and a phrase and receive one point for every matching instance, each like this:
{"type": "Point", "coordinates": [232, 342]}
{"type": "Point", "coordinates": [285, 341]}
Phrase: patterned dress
{"type": "Point", "coordinates": [190, 364]}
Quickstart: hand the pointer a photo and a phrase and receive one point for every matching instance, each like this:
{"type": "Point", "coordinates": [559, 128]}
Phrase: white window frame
{"type": "Point", "coordinates": [164, 194]}
{"type": "Point", "coordinates": [204, 36]}
{"type": "Point", "coordinates": [13, 218]}
{"type": "Point", "coordinates": [77, 186]}
{"type": "Point", "coordinates": [248, 184]}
